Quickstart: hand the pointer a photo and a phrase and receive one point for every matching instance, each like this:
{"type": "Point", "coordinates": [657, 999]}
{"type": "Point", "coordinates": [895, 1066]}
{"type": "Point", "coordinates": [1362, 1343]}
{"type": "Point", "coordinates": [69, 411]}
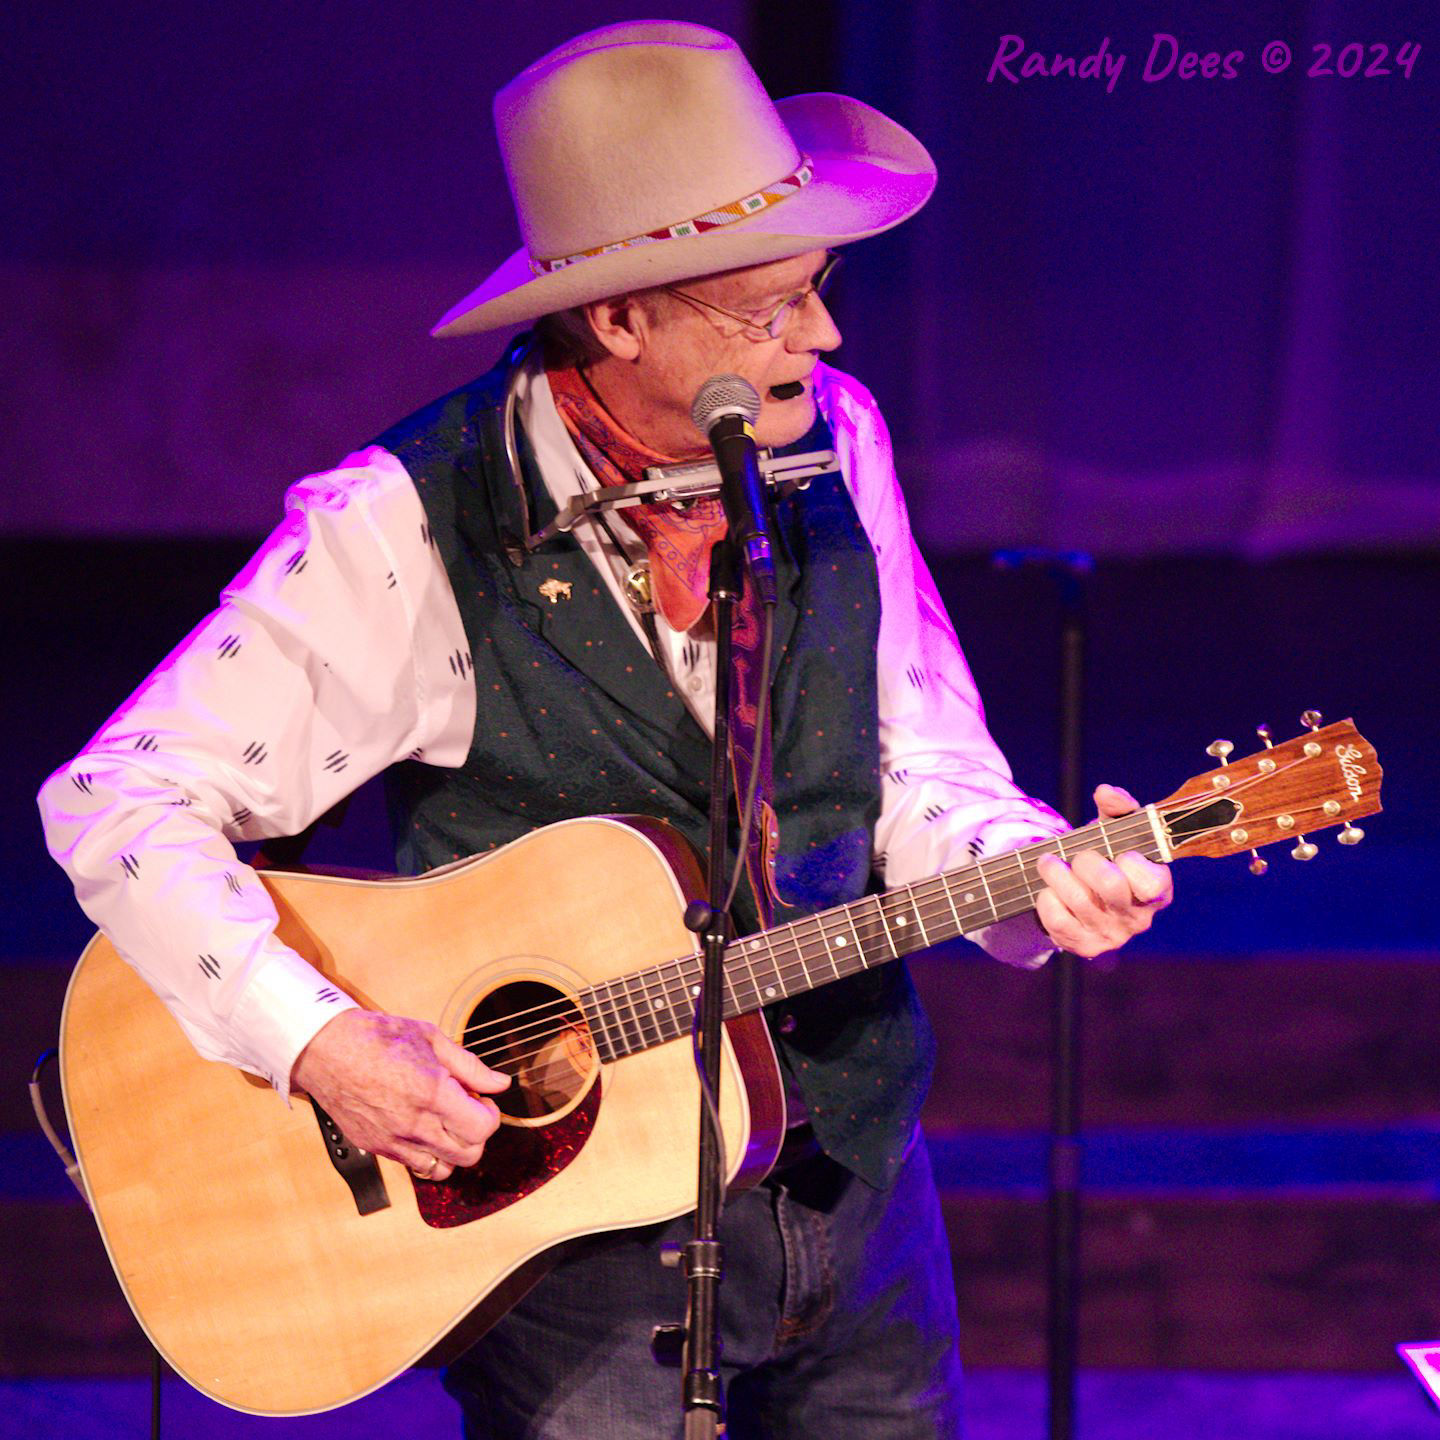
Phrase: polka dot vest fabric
{"type": "Point", "coordinates": [575, 718]}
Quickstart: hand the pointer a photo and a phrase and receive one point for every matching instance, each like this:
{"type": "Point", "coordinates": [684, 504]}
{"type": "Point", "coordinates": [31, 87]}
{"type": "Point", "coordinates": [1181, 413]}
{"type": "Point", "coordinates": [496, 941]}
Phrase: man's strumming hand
{"type": "Point", "coordinates": [402, 1089]}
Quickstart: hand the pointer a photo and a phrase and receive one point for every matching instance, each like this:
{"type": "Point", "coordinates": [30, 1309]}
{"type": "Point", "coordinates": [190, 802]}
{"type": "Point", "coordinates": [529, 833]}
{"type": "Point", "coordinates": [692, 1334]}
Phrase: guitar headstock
{"type": "Point", "coordinates": [1322, 778]}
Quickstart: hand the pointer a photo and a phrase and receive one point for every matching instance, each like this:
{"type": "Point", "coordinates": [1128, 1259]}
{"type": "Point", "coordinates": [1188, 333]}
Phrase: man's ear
{"type": "Point", "coordinates": [619, 324]}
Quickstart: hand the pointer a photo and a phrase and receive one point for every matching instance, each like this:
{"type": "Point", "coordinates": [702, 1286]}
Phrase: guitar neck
{"type": "Point", "coordinates": [649, 1007]}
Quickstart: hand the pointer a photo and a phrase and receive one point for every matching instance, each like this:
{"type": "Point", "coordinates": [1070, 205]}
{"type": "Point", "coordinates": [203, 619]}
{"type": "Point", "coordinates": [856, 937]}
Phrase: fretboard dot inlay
{"type": "Point", "coordinates": [969, 899]}
{"type": "Point", "coordinates": [900, 920]}
{"type": "Point", "coordinates": [770, 990]}
{"type": "Point", "coordinates": [658, 1004]}
{"type": "Point", "coordinates": [839, 940]}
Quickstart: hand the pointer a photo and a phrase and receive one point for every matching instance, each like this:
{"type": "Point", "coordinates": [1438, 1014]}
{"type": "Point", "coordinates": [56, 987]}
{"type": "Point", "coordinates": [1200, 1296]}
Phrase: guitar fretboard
{"type": "Point", "coordinates": [649, 1007]}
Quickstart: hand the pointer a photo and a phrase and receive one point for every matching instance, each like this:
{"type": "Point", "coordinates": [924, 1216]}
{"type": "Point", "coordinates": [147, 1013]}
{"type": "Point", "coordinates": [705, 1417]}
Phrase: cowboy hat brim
{"type": "Point", "coordinates": [870, 174]}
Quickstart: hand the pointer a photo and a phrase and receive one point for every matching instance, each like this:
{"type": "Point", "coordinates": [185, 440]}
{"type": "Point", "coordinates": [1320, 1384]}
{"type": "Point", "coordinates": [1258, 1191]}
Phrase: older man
{"type": "Point", "coordinates": [676, 225]}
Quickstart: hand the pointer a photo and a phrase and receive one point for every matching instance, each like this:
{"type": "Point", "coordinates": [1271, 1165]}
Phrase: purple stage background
{"type": "Point", "coordinates": [1188, 316]}
{"type": "Point", "coordinates": [1182, 315]}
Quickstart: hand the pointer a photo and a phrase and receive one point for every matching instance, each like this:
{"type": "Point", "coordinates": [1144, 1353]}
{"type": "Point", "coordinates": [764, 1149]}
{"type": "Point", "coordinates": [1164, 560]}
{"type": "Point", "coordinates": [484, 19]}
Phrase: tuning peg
{"type": "Point", "coordinates": [1311, 719]}
{"type": "Point", "coordinates": [1351, 835]}
{"type": "Point", "coordinates": [1305, 850]}
{"type": "Point", "coordinates": [1259, 865]}
{"type": "Point", "coordinates": [1263, 731]}
{"type": "Point", "coordinates": [1220, 750]}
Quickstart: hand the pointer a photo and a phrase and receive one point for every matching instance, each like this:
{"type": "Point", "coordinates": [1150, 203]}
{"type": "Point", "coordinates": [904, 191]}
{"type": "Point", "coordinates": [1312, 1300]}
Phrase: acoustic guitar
{"type": "Point", "coordinates": [281, 1271]}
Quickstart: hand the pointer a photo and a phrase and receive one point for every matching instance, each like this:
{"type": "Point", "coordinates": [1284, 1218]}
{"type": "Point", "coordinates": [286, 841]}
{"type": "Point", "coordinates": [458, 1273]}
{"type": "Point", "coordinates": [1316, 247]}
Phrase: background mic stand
{"type": "Point", "coordinates": [1069, 570]}
{"type": "Point", "coordinates": [703, 1257]}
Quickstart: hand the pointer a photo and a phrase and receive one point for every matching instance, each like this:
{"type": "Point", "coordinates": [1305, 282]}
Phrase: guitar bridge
{"type": "Point", "coordinates": [357, 1168]}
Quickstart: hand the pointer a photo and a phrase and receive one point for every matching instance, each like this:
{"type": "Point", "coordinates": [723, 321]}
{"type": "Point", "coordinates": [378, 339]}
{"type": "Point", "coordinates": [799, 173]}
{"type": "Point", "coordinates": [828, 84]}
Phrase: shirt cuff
{"type": "Point", "coordinates": [283, 1007]}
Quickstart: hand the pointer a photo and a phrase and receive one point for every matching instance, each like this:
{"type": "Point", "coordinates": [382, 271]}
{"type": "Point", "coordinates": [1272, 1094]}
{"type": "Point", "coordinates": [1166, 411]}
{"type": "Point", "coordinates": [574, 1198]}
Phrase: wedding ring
{"type": "Point", "coordinates": [426, 1174]}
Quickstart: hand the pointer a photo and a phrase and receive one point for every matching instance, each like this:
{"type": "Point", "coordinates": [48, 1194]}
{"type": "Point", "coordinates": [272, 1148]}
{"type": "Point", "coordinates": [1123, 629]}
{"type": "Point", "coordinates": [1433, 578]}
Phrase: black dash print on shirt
{"type": "Point", "coordinates": [427, 536]}
{"type": "Point", "coordinates": [329, 995]}
{"type": "Point", "coordinates": [690, 654]}
{"type": "Point", "coordinates": [934, 812]}
{"type": "Point", "coordinates": [416, 753]}
{"type": "Point", "coordinates": [390, 581]}
{"type": "Point", "coordinates": [82, 783]}
{"type": "Point", "coordinates": [336, 761]}
{"type": "Point", "coordinates": [232, 882]}
{"type": "Point", "coordinates": [255, 752]}
{"type": "Point", "coordinates": [881, 860]}
{"type": "Point", "coordinates": [131, 866]}
{"type": "Point", "coordinates": [296, 563]}
{"type": "Point", "coordinates": [147, 742]}
{"type": "Point", "coordinates": [181, 800]}
{"type": "Point", "coordinates": [241, 817]}
{"type": "Point", "coordinates": [918, 678]}
{"type": "Point", "coordinates": [900, 777]}
{"type": "Point", "coordinates": [976, 849]}
{"type": "Point", "coordinates": [211, 966]}
{"type": "Point", "coordinates": [229, 647]}
{"type": "Point", "coordinates": [461, 663]}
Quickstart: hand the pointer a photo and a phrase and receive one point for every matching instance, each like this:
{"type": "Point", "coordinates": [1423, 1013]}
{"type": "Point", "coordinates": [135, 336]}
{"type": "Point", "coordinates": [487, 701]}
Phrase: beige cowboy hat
{"type": "Point", "coordinates": [648, 152]}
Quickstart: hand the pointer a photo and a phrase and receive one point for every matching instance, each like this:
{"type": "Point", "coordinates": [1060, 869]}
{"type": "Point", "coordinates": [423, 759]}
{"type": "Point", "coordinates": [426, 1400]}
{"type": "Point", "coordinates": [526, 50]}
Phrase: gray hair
{"type": "Point", "coordinates": [569, 339]}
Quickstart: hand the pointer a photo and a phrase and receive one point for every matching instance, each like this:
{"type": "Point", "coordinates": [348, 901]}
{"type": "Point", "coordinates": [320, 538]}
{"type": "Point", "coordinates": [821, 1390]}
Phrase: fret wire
{"type": "Point", "coordinates": [659, 1006]}
{"type": "Point", "coordinates": [655, 1004]}
{"type": "Point", "coordinates": [989, 896]}
{"type": "Point", "coordinates": [922, 894]}
{"type": "Point", "coordinates": [746, 948]}
{"type": "Point", "coordinates": [774, 968]}
{"type": "Point", "coordinates": [924, 933]}
{"type": "Point", "coordinates": [885, 925]}
{"type": "Point", "coordinates": [950, 897]}
{"type": "Point", "coordinates": [636, 1011]}
{"type": "Point", "coordinates": [595, 1023]}
{"type": "Point", "coordinates": [623, 1036]}
{"type": "Point", "coordinates": [677, 992]}
{"type": "Point", "coordinates": [828, 944]}
{"type": "Point", "coordinates": [854, 930]}
{"type": "Point", "coordinates": [845, 949]}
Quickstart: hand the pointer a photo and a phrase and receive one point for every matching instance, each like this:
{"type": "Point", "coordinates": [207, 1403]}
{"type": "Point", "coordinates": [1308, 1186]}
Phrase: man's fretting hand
{"type": "Point", "coordinates": [402, 1089]}
{"type": "Point", "coordinates": [1093, 905]}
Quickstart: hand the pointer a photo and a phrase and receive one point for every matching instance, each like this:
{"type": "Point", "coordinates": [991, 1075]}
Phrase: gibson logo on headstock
{"type": "Point", "coordinates": [1350, 772]}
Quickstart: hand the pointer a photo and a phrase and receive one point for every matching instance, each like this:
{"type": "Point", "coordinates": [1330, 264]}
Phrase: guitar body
{"type": "Point", "coordinates": [241, 1247]}
{"type": "Point", "coordinates": [272, 1285]}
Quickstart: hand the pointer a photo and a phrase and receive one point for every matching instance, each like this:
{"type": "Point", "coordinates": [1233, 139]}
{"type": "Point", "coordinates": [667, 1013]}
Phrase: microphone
{"type": "Point", "coordinates": [725, 409]}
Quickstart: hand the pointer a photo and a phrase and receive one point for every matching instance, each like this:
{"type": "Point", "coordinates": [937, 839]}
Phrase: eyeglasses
{"type": "Point", "coordinates": [773, 323]}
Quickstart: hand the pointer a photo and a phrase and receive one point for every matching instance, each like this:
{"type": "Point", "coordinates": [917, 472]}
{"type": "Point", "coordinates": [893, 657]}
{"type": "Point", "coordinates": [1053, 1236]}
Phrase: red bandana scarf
{"type": "Point", "coordinates": [679, 543]}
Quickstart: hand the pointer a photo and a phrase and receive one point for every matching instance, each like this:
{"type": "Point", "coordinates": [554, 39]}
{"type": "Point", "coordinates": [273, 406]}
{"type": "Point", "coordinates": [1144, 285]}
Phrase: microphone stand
{"type": "Point", "coordinates": [1069, 570]}
{"type": "Point", "coordinates": [703, 1257]}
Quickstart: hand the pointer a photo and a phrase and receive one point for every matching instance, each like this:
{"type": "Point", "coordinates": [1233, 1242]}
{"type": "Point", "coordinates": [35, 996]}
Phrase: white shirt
{"type": "Point", "coordinates": [332, 656]}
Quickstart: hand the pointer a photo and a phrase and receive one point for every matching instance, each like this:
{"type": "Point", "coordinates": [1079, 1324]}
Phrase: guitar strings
{"type": "Point", "coordinates": [929, 899]}
{"type": "Point", "coordinates": [1003, 891]}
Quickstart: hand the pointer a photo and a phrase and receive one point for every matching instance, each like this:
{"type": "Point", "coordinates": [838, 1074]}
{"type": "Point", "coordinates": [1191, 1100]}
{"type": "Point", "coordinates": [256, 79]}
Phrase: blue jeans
{"type": "Point", "coordinates": [837, 1315]}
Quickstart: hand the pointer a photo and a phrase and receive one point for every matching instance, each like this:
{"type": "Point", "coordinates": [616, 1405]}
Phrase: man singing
{"type": "Point", "coordinates": [676, 225]}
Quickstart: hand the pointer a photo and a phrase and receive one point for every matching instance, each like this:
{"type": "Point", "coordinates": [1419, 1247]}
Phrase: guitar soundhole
{"type": "Point", "coordinates": [537, 1034]}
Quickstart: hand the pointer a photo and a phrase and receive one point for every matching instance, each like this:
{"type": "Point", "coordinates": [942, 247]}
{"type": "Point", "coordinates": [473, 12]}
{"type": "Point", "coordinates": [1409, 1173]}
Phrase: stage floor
{"type": "Point", "coordinates": [1000, 1405]}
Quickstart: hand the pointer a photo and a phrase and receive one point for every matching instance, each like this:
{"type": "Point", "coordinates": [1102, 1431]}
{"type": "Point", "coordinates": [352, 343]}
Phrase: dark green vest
{"type": "Point", "coordinates": [575, 718]}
